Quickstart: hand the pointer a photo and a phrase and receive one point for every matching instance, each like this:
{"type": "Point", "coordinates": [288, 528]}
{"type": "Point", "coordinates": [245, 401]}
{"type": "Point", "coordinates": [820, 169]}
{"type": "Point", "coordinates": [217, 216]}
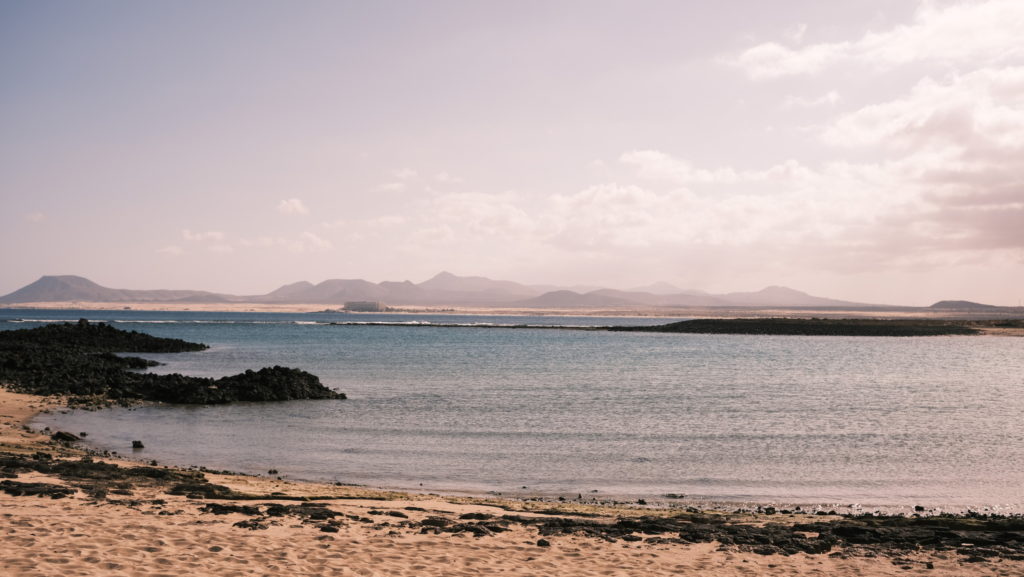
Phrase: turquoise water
{"type": "Point", "coordinates": [806, 420]}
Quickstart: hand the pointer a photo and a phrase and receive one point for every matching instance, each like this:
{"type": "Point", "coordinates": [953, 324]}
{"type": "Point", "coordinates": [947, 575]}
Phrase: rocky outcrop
{"type": "Point", "coordinates": [267, 384]}
{"type": "Point", "coordinates": [812, 327]}
{"type": "Point", "coordinates": [79, 360]}
{"type": "Point", "coordinates": [973, 535]}
{"type": "Point", "coordinates": [18, 489]}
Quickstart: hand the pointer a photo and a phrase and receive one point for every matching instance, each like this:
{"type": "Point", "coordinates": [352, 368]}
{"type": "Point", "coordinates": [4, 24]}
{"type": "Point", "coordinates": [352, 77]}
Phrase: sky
{"type": "Point", "coordinates": [868, 151]}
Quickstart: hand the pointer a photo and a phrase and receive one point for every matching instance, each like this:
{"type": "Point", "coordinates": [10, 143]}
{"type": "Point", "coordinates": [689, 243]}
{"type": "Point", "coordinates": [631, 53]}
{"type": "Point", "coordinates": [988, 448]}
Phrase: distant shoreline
{"type": "Point", "coordinates": [903, 321]}
{"type": "Point", "coordinates": [836, 327]}
{"type": "Point", "coordinates": [894, 312]}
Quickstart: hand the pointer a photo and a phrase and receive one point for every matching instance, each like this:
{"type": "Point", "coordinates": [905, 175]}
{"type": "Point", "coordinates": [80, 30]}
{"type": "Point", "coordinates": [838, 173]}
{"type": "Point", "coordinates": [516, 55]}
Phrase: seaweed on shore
{"type": "Point", "coordinates": [79, 360]}
{"type": "Point", "coordinates": [813, 327]}
{"type": "Point", "coordinates": [974, 536]}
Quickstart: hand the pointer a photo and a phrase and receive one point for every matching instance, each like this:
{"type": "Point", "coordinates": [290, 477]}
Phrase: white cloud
{"type": "Point", "coordinates": [657, 165]}
{"type": "Point", "coordinates": [831, 98]}
{"type": "Point", "coordinates": [976, 33]}
{"type": "Point", "coordinates": [613, 215]}
{"type": "Point", "coordinates": [35, 217]}
{"type": "Point", "coordinates": [771, 60]}
{"type": "Point", "coordinates": [947, 188]}
{"type": "Point", "coordinates": [986, 104]}
{"type": "Point", "coordinates": [292, 206]}
{"type": "Point", "coordinates": [261, 242]}
{"type": "Point", "coordinates": [963, 32]}
{"type": "Point", "coordinates": [438, 234]}
{"type": "Point", "coordinates": [960, 140]}
{"type": "Point", "coordinates": [313, 243]}
{"type": "Point", "coordinates": [445, 178]}
{"type": "Point", "coordinates": [172, 250]}
{"type": "Point", "coordinates": [213, 235]}
{"type": "Point", "coordinates": [837, 217]}
{"type": "Point", "coordinates": [388, 221]}
{"type": "Point", "coordinates": [404, 177]}
{"type": "Point", "coordinates": [480, 214]}
{"type": "Point", "coordinates": [843, 215]}
{"type": "Point", "coordinates": [306, 242]}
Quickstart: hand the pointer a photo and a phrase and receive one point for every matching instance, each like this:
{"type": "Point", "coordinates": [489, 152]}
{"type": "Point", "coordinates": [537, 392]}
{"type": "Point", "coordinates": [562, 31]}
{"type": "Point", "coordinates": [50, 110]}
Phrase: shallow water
{"type": "Point", "coordinates": [819, 420]}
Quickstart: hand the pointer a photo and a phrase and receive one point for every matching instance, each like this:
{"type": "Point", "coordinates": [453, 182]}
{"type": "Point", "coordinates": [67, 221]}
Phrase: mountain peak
{"type": "Point", "coordinates": [67, 279]}
{"type": "Point", "coordinates": [51, 288]}
{"type": "Point", "coordinates": [291, 289]}
{"type": "Point", "coordinates": [780, 290]}
{"type": "Point", "coordinates": [476, 288]}
{"type": "Point", "coordinates": [443, 277]}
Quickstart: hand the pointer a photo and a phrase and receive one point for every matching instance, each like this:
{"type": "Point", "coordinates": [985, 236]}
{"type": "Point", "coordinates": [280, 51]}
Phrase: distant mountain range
{"type": "Point", "coordinates": [445, 289]}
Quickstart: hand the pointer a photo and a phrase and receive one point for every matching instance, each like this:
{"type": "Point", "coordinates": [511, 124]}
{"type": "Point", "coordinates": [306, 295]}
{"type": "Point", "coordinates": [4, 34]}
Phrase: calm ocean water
{"type": "Point", "coordinates": [879, 422]}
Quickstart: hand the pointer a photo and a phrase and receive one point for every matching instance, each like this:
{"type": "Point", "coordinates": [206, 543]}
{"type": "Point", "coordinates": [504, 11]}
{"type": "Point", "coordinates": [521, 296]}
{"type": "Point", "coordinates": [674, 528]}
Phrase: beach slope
{"type": "Point", "coordinates": [64, 512]}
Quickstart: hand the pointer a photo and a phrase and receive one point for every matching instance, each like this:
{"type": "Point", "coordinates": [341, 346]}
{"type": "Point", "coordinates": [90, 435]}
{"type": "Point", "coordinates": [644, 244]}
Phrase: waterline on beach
{"type": "Point", "coordinates": [804, 420]}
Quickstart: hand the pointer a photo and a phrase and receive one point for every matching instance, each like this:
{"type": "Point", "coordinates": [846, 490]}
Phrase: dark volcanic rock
{"type": "Point", "coordinates": [308, 513]}
{"type": "Point", "coordinates": [64, 437]}
{"type": "Point", "coordinates": [97, 338]}
{"type": "Point", "coordinates": [19, 489]}
{"type": "Point", "coordinates": [304, 511]}
{"type": "Point", "coordinates": [200, 489]}
{"type": "Point", "coordinates": [223, 509]}
{"type": "Point", "coordinates": [974, 536]}
{"type": "Point", "coordinates": [988, 536]}
{"type": "Point", "coordinates": [267, 384]}
{"type": "Point", "coordinates": [436, 522]}
{"type": "Point", "coordinates": [79, 360]}
{"type": "Point", "coordinates": [270, 384]}
{"type": "Point", "coordinates": [813, 327]}
{"type": "Point", "coordinates": [98, 479]}
{"type": "Point", "coordinates": [252, 524]}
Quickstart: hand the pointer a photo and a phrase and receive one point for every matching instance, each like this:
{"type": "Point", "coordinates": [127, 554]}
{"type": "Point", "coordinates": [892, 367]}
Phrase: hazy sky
{"type": "Point", "coordinates": [869, 150]}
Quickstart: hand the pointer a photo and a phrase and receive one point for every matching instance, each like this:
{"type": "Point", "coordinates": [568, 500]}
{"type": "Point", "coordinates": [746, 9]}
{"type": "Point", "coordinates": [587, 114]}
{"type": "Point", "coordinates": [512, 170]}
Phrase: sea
{"type": "Point", "coordinates": [541, 407]}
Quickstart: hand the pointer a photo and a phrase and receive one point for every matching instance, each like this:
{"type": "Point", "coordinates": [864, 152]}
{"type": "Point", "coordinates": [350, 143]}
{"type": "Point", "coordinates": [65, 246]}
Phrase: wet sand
{"type": "Point", "coordinates": [136, 527]}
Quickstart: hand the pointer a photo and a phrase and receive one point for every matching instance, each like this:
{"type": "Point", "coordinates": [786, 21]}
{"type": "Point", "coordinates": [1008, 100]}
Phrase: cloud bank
{"type": "Point", "coordinates": [965, 33]}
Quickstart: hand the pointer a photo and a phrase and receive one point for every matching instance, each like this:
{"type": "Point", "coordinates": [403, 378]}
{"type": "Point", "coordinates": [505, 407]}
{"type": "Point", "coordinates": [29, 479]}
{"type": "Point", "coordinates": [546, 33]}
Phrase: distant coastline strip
{"type": "Point", "coordinates": [827, 327]}
{"type": "Point", "coordinates": [868, 327]}
{"type": "Point", "coordinates": [768, 326]}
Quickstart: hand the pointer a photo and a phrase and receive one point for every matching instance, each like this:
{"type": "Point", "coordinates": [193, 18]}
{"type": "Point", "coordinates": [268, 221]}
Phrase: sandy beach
{"type": "Point", "coordinates": [135, 526]}
{"type": "Point", "coordinates": [550, 288]}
